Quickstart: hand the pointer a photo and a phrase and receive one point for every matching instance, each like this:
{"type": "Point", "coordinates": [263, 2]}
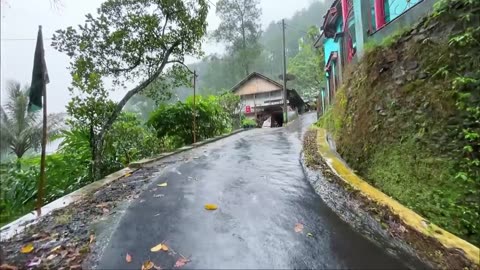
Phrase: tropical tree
{"type": "Point", "coordinates": [21, 131]}
{"type": "Point", "coordinates": [139, 43]}
{"type": "Point", "coordinates": [307, 66]}
{"type": "Point", "coordinates": [240, 29]}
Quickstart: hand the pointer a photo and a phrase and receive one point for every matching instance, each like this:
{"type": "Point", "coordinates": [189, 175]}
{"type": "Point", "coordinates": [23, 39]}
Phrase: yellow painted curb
{"type": "Point", "coordinates": [408, 216]}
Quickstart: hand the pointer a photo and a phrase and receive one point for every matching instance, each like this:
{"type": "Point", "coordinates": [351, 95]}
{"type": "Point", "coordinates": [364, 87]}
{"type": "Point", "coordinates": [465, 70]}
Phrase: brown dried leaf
{"type": "Point", "coordinates": [147, 265]}
{"type": "Point", "coordinates": [128, 258]}
{"type": "Point", "coordinates": [298, 227]}
{"type": "Point", "coordinates": [92, 238]}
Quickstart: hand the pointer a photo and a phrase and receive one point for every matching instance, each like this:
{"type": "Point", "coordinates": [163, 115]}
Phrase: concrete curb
{"type": "Point", "coordinates": [409, 217]}
{"type": "Point", "coordinates": [20, 224]}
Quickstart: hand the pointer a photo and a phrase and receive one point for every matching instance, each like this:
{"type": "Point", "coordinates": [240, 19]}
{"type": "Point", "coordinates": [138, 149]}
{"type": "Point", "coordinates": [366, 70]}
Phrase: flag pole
{"type": "Point", "coordinates": [194, 112]}
{"type": "Point", "coordinates": [41, 183]}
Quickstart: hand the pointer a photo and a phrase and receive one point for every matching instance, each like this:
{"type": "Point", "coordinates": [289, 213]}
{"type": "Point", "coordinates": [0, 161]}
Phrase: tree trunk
{"type": "Point", "coordinates": [97, 153]}
{"type": "Point", "coordinates": [97, 159]}
{"type": "Point", "coordinates": [245, 58]}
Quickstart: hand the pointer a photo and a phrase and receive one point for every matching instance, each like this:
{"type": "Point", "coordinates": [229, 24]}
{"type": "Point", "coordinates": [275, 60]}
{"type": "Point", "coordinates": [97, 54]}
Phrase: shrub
{"type": "Point", "coordinates": [175, 121]}
{"type": "Point", "coordinates": [248, 123]}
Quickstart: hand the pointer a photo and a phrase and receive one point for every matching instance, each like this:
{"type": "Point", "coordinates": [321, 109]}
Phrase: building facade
{"type": "Point", "coordinates": [262, 98]}
{"type": "Point", "coordinates": [350, 24]}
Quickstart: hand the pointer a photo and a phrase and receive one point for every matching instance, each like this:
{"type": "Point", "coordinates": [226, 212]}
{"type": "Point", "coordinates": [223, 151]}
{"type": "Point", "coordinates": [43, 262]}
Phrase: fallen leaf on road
{"type": "Point", "coordinates": [55, 249]}
{"type": "Point", "coordinates": [27, 248]}
{"type": "Point", "coordinates": [92, 238]}
{"type": "Point", "coordinates": [163, 184]}
{"type": "Point", "coordinates": [211, 206]}
{"type": "Point", "coordinates": [180, 262]}
{"type": "Point", "coordinates": [159, 247]}
{"type": "Point", "coordinates": [127, 174]}
{"type": "Point", "coordinates": [34, 262]}
{"type": "Point", "coordinates": [7, 267]}
{"type": "Point", "coordinates": [128, 258]}
{"type": "Point", "coordinates": [298, 227]}
{"type": "Point", "coordinates": [147, 265]}
{"type": "Point", "coordinates": [309, 234]}
{"type": "Point", "coordinates": [51, 257]}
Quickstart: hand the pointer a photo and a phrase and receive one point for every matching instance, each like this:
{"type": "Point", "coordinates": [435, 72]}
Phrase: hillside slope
{"type": "Point", "coordinates": [408, 118]}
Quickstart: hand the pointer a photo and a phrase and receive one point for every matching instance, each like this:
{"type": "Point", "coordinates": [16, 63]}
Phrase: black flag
{"type": "Point", "coordinates": [39, 75]}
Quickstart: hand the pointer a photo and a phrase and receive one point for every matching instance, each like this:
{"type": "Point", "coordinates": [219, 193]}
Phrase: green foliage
{"type": "Point", "coordinates": [248, 123]}
{"type": "Point", "coordinates": [240, 28]}
{"type": "Point", "coordinates": [65, 172]}
{"type": "Point", "coordinates": [333, 119]}
{"type": "Point", "coordinates": [175, 121]}
{"type": "Point", "coordinates": [407, 172]}
{"type": "Point", "coordinates": [129, 140]}
{"type": "Point", "coordinates": [231, 105]}
{"type": "Point", "coordinates": [223, 71]}
{"type": "Point", "coordinates": [416, 137]}
{"type": "Point", "coordinates": [18, 190]}
{"type": "Point", "coordinates": [71, 167]}
{"type": "Point", "coordinates": [307, 67]}
{"type": "Point", "coordinates": [22, 131]}
{"type": "Point", "coordinates": [128, 41]}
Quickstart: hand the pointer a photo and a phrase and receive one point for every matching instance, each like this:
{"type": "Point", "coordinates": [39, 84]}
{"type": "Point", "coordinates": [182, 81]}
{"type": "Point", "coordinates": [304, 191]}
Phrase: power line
{"type": "Point", "coordinates": [212, 3]}
{"type": "Point", "coordinates": [296, 29]}
{"type": "Point", "coordinates": [22, 39]}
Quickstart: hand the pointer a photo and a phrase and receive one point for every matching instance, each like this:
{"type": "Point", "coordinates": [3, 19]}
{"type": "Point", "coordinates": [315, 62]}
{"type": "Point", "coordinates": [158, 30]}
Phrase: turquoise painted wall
{"type": "Point", "coordinates": [395, 8]}
{"type": "Point", "coordinates": [330, 45]}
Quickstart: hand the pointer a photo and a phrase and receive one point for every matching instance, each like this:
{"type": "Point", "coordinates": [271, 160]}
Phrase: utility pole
{"type": "Point", "coordinates": [285, 106]}
{"type": "Point", "coordinates": [194, 110]}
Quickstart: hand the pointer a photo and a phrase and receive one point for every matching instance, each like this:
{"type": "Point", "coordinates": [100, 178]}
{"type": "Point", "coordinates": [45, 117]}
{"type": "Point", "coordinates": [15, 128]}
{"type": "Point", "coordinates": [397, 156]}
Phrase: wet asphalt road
{"type": "Point", "coordinates": [257, 181]}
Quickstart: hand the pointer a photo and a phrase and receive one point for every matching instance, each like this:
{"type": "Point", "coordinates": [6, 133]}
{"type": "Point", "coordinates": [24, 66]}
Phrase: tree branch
{"type": "Point", "coordinates": [165, 25]}
{"type": "Point", "coordinates": [136, 64]}
{"type": "Point", "coordinates": [181, 63]}
{"type": "Point", "coordinates": [134, 91]}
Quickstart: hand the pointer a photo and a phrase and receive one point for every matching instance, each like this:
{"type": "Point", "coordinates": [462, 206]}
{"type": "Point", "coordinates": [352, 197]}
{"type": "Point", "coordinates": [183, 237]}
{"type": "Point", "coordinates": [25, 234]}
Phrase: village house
{"type": "Point", "coordinates": [262, 99]}
{"type": "Point", "coordinates": [350, 24]}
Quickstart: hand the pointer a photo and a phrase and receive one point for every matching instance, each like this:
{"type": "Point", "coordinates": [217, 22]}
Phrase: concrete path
{"type": "Point", "coordinates": [257, 181]}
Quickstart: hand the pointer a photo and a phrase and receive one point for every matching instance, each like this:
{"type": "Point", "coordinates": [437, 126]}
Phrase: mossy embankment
{"type": "Point", "coordinates": [407, 118]}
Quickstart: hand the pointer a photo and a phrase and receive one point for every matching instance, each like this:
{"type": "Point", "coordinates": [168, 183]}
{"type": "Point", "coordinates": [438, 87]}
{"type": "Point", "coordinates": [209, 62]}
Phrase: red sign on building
{"type": "Point", "coordinates": [248, 109]}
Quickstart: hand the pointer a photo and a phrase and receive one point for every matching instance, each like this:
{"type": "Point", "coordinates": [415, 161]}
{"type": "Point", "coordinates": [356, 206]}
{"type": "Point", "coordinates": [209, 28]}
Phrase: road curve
{"type": "Point", "coordinates": [257, 181]}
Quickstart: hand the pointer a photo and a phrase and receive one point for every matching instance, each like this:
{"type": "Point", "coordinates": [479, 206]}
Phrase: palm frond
{"type": "Point", "coordinates": [20, 130]}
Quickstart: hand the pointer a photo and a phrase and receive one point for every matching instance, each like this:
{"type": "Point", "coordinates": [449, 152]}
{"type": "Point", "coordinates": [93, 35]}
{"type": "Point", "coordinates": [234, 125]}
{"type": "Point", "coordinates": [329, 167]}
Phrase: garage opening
{"type": "Point", "coordinates": [277, 119]}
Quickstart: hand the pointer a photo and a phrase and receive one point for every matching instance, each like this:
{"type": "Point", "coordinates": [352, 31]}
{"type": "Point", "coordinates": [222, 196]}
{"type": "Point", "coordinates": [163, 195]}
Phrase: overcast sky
{"type": "Point", "coordinates": [19, 25]}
